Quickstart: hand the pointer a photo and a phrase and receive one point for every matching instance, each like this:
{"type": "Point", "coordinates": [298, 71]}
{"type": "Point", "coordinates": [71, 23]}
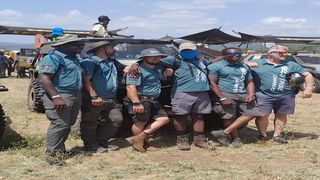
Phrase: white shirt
{"type": "Point", "coordinates": [100, 30]}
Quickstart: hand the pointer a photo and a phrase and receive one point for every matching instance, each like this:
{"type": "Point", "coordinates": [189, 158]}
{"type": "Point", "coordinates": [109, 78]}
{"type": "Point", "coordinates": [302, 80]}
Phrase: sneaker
{"type": "Point", "coordinates": [200, 141]}
{"type": "Point", "coordinates": [221, 137]}
{"type": "Point", "coordinates": [183, 142]}
{"type": "Point", "coordinates": [280, 139]}
{"type": "Point", "coordinates": [262, 138]}
{"type": "Point", "coordinates": [96, 149]}
{"type": "Point", "coordinates": [111, 147]}
{"type": "Point", "coordinates": [101, 149]}
{"type": "Point", "coordinates": [236, 143]}
{"type": "Point", "coordinates": [54, 160]}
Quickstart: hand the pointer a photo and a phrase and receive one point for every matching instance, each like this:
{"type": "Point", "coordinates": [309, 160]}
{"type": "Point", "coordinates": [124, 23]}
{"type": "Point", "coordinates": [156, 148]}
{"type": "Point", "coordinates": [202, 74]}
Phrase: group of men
{"type": "Point", "coordinates": [238, 94]}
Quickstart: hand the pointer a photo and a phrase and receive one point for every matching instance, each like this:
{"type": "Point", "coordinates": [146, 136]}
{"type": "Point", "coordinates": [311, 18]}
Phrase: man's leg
{"type": "Point", "coordinates": [279, 122]}
{"type": "Point", "coordinates": [262, 125]}
{"type": "Point", "coordinates": [199, 138]}
{"type": "Point", "coordinates": [180, 124]}
{"type": "Point", "coordinates": [157, 124]}
{"type": "Point", "coordinates": [113, 120]}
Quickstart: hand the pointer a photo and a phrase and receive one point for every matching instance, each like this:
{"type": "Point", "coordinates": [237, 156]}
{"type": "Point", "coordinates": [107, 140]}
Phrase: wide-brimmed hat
{"type": "Point", "coordinates": [187, 45]}
{"type": "Point", "coordinates": [151, 52]}
{"type": "Point", "coordinates": [65, 39]}
{"type": "Point", "coordinates": [95, 45]}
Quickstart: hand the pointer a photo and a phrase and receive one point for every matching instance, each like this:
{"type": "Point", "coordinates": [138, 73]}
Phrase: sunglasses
{"type": "Point", "coordinates": [238, 53]}
{"type": "Point", "coordinates": [281, 53]}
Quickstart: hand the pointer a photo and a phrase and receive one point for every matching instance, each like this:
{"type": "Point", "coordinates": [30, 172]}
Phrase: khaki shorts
{"type": "Point", "coordinates": [191, 103]}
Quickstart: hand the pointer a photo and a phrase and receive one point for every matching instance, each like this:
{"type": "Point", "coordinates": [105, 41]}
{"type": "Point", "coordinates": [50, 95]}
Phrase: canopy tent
{"type": "Point", "coordinates": [212, 36]}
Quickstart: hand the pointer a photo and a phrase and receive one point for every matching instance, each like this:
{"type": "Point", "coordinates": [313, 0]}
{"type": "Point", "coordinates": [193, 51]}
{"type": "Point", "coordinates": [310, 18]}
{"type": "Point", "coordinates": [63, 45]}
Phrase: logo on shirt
{"type": "Point", "coordinates": [47, 67]}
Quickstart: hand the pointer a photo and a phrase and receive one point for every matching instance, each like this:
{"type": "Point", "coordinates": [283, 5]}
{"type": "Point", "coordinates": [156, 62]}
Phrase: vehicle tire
{"type": "Point", "coordinates": [35, 94]}
{"type": "Point", "coordinates": [316, 86]}
{"type": "Point", "coordinates": [2, 123]}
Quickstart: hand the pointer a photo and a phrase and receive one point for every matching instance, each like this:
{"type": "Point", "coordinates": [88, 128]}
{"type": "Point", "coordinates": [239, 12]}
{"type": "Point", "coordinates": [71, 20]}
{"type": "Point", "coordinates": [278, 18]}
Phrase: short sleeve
{"type": "Point", "coordinates": [47, 65]}
{"type": "Point", "coordinates": [297, 68]}
{"type": "Point", "coordinates": [87, 67]}
{"type": "Point", "coordinates": [249, 74]}
{"type": "Point", "coordinates": [133, 79]}
{"type": "Point", "coordinates": [213, 70]}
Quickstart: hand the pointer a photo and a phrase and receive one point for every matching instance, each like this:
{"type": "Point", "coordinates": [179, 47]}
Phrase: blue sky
{"type": "Point", "coordinates": [157, 18]}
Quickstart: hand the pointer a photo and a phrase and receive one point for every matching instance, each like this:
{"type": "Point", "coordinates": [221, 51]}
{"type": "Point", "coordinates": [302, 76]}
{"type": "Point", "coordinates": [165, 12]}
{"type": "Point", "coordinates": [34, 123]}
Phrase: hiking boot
{"type": "Point", "coordinates": [280, 139]}
{"type": "Point", "coordinates": [109, 147]}
{"type": "Point", "coordinates": [101, 149]}
{"type": "Point", "coordinates": [55, 160]}
{"type": "Point", "coordinates": [221, 137]}
{"type": "Point", "coordinates": [200, 141]}
{"type": "Point", "coordinates": [236, 143]}
{"type": "Point", "coordinates": [262, 138]}
{"type": "Point", "coordinates": [183, 142]}
{"type": "Point", "coordinates": [137, 143]}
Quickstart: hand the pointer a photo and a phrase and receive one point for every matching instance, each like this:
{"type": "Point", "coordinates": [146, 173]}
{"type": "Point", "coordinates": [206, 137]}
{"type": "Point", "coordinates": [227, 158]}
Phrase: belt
{"type": "Point", "coordinates": [147, 97]}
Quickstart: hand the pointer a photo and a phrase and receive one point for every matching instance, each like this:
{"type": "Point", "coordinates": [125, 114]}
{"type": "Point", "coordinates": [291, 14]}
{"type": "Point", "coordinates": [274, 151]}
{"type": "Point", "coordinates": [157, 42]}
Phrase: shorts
{"type": "Point", "coordinates": [282, 105]}
{"type": "Point", "coordinates": [191, 103]}
{"type": "Point", "coordinates": [152, 110]}
{"type": "Point", "coordinates": [238, 108]}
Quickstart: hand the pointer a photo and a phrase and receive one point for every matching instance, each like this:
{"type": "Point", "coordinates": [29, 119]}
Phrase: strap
{"type": "Point", "coordinates": [60, 61]}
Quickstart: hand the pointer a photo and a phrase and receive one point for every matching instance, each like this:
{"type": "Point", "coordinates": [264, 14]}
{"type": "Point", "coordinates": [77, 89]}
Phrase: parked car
{"type": "Point", "coordinates": [309, 61]}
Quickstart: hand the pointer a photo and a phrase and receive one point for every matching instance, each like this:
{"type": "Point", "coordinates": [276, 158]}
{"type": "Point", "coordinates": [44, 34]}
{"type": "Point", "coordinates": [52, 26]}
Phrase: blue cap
{"type": "Point", "coordinates": [57, 31]}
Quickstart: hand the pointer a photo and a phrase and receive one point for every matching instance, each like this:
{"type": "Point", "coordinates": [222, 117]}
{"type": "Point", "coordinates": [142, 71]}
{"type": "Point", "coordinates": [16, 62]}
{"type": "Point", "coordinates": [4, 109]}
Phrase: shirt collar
{"type": "Point", "coordinates": [265, 61]}
{"type": "Point", "coordinates": [225, 63]}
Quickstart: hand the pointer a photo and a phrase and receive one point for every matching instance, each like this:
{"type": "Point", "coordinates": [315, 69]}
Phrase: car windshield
{"type": "Point", "coordinates": [28, 52]}
{"type": "Point", "coordinates": [127, 51]}
{"type": "Point", "coordinates": [309, 60]}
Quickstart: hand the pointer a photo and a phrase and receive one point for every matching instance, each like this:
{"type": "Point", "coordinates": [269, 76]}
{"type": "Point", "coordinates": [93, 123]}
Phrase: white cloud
{"type": "Point", "coordinates": [284, 22]}
{"type": "Point", "coordinates": [316, 2]}
{"type": "Point", "coordinates": [174, 23]}
{"type": "Point", "coordinates": [282, 26]}
{"type": "Point", "coordinates": [11, 17]}
{"type": "Point", "coordinates": [191, 5]}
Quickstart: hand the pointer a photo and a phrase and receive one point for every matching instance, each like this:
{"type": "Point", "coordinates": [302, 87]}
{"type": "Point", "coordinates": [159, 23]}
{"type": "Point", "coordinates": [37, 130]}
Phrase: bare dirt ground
{"type": "Point", "coordinates": [22, 150]}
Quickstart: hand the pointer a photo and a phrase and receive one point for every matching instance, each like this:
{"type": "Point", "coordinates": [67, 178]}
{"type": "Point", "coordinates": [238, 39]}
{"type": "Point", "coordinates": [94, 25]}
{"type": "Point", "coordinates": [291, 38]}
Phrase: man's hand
{"type": "Point", "coordinates": [227, 102]}
{"type": "Point", "coordinates": [59, 103]}
{"type": "Point", "coordinates": [134, 68]}
{"type": "Point", "coordinates": [138, 109]}
{"type": "Point", "coordinates": [167, 73]}
{"type": "Point", "coordinates": [251, 64]}
{"type": "Point", "coordinates": [307, 93]}
{"type": "Point", "coordinates": [249, 98]}
{"type": "Point", "coordinates": [97, 102]}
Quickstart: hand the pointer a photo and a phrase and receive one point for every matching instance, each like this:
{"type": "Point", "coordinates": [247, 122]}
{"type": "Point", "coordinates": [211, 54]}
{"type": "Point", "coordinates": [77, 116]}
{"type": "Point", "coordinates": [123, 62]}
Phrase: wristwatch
{"type": "Point", "coordinates": [136, 103]}
{"type": "Point", "coordinates": [94, 97]}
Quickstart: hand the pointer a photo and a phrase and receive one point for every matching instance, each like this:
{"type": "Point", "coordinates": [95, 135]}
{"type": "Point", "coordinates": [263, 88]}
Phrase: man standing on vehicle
{"type": "Point", "coordinates": [101, 72]}
{"type": "Point", "coordinates": [60, 76]}
{"type": "Point", "coordinates": [189, 95]}
{"type": "Point", "coordinates": [100, 29]}
{"type": "Point", "coordinates": [234, 93]}
{"type": "Point", "coordinates": [142, 103]}
{"type": "Point", "coordinates": [273, 92]}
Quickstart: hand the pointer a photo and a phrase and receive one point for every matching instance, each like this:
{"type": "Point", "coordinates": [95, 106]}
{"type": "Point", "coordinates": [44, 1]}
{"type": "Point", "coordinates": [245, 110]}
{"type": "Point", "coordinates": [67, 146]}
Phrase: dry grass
{"type": "Point", "coordinates": [22, 154]}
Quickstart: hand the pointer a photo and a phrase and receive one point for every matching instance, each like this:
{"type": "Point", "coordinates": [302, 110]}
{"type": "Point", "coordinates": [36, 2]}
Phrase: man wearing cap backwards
{"type": "Point", "coordinates": [234, 93]}
{"type": "Point", "coordinates": [141, 101]}
{"type": "Point", "coordinates": [60, 76]}
{"type": "Point", "coordinates": [100, 29]}
{"type": "Point", "coordinates": [189, 95]}
{"type": "Point", "coordinates": [101, 72]}
{"type": "Point", "coordinates": [273, 92]}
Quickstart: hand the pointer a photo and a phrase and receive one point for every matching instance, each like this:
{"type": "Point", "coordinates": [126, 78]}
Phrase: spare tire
{"type": "Point", "coordinates": [2, 122]}
{"type": "Point", "coordinates": [35, 94]}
